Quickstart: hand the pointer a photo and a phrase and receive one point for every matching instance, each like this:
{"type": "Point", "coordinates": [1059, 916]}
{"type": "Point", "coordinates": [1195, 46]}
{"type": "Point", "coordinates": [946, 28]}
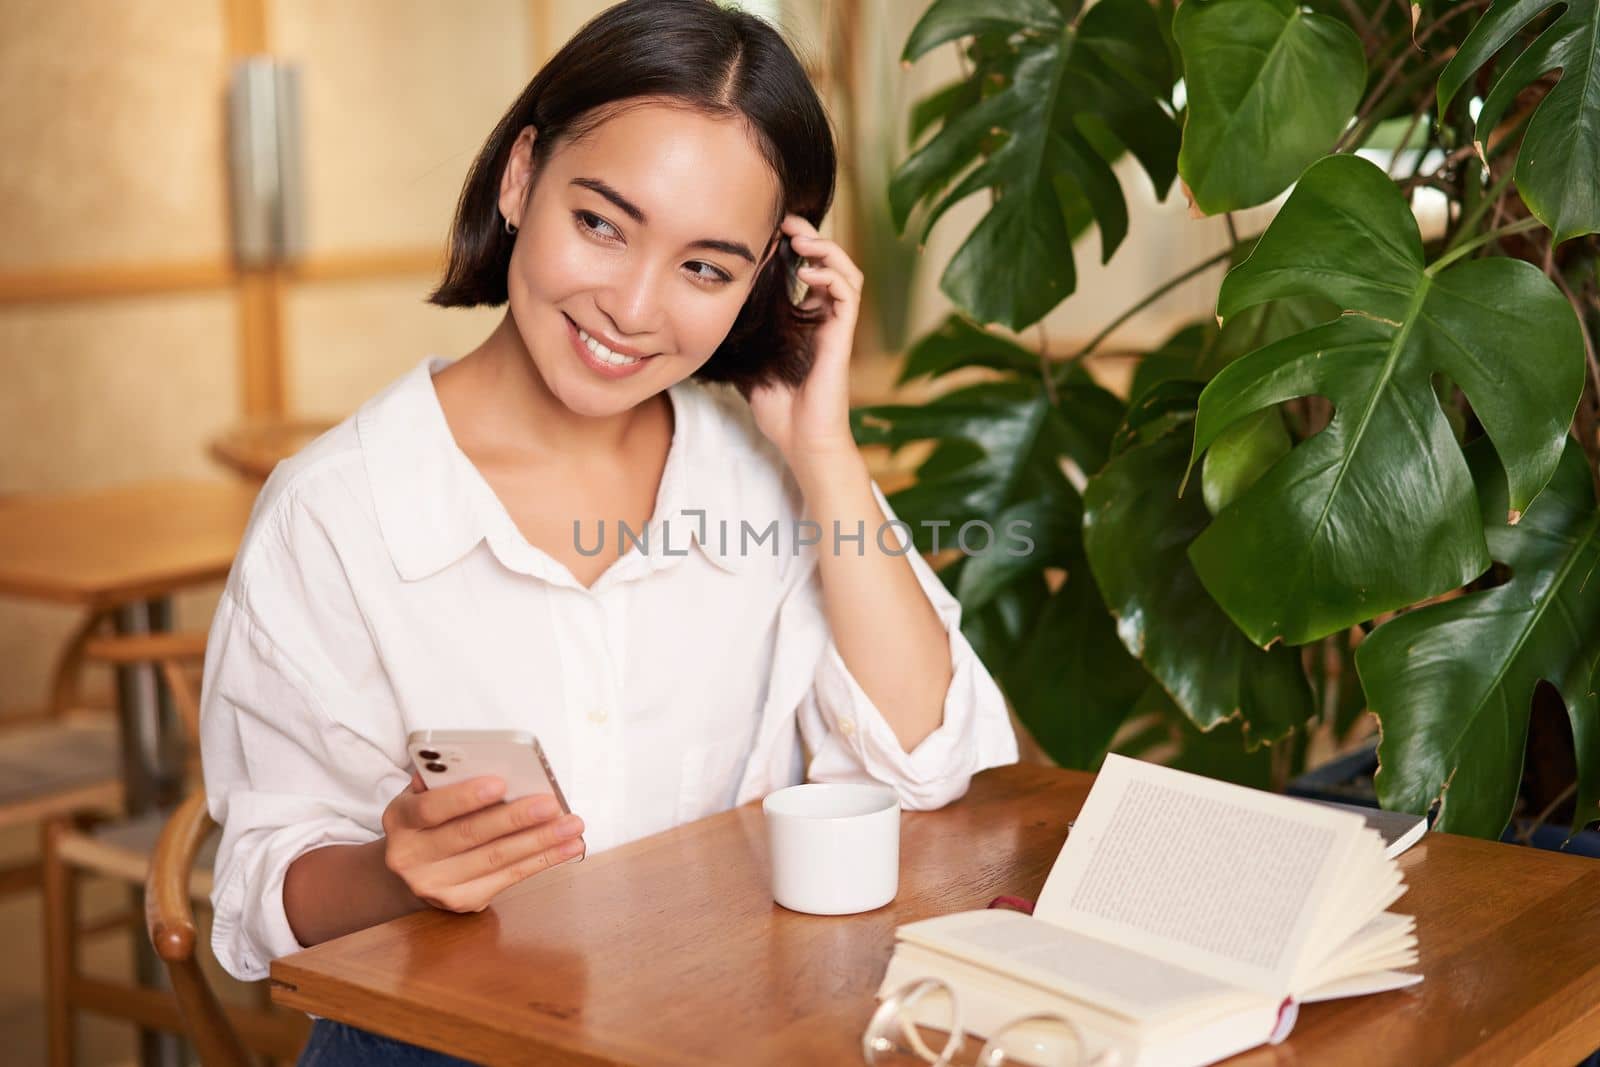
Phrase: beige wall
{"type": "Point", "coordinates": [111, 158]}
{"type": "Point", "coordinates": [399, 96]}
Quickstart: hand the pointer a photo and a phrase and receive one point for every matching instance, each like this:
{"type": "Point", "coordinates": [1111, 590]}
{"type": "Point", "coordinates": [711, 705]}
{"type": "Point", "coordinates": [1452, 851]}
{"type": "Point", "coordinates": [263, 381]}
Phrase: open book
{"type": "Point", "coordinates": [1399, 830]}
{"type": "Point", "coordinates": [1184, 921]}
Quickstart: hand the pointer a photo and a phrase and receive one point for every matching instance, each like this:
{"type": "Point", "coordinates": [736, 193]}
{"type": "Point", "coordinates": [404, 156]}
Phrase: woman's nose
{"type": "Point", "coordinates": [632, 301]}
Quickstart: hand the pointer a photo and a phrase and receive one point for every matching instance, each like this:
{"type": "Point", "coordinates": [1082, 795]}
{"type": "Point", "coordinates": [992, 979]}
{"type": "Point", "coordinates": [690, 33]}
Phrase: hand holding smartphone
{"type": "Point", "coordinates": [482, 813]}
{"type": "Point", "coordinates": [442, 757]}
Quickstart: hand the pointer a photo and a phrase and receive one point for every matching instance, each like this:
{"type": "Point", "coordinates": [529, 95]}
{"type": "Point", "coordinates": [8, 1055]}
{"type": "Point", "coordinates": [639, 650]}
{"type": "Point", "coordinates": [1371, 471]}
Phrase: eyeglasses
{"type": "Point", "coordinates": [893, 1035]}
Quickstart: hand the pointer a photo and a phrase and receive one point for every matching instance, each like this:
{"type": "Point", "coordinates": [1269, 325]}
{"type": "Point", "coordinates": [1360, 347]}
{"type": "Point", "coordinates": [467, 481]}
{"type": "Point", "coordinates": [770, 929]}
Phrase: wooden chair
{"type": "Point", "coordinates": [124, 850]}
{"type": "Point", "coordinates": [62, 761]}
{"type": "Point", "coordinates": [220, 1034]}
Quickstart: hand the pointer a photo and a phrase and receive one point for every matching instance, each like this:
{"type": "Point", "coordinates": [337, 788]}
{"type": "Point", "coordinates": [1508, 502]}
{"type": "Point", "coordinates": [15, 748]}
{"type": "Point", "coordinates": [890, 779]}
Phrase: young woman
{"type": "Point", "coordinates": [431, 563]}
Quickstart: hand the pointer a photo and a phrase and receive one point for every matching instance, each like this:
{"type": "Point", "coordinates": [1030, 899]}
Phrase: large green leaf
{"type": "Point", "coordinates": [1091, 413]}
{"type": "Point", "coordinates": [1199, 350]}
{"type": "Point", "coordinates": [1001, 447]}
{"type": "Point", "coordinates": [1070, 96]}
{"type": "Point", "coordinates": [1166, 735]}
{"type": "Point", "coordinates": [1136, 532]}
{"type": "Point", "coordinates": [1377, 511]}
{"type": "Point", "coordinates": [1240, 455]}
{"type": "Point", "coordinates": [998, 464]}
{"type": "Point", "coordinates": [1452, 682]}
{"type": "Point", "coordinates": [998, 629]}
{"type": "Point", "coordinates": [1271, 86]}
{"type": "Point", "coordinates": [1072, 683]}
{"type": "Point", "coordinates": [1182, 356]}
{"type": "Point", "coordinates": [949, 20]}
{"type": "Point", "coordinates": [1558, 163]}
{"type": "Point", "coordinates": [956, 344]}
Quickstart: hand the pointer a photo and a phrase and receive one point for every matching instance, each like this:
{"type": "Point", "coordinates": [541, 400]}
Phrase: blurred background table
{"type": "Point", "coordinates": [126, 549]}
{"type": "Point", "coordinates": [110, 547]}
{"type": "Point", "coordinates": [251, 448]}
{"type": "Point", "coordinates": [670, 950]}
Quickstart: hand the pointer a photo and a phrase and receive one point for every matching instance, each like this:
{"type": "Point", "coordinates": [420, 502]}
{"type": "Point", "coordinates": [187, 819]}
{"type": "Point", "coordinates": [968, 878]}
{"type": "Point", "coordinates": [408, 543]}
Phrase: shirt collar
{"type": "Point", "coordinates": [433, 506]}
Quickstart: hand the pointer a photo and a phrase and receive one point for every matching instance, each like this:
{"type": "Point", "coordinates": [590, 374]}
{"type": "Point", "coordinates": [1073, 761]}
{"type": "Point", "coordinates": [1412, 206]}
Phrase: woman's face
{"type": "Point", "coordinates": [647, 235]}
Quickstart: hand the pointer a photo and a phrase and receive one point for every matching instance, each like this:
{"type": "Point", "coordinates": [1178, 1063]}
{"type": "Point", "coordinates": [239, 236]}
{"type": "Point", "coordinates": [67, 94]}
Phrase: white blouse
{"type": "Point", "coordinates": [382, 588]}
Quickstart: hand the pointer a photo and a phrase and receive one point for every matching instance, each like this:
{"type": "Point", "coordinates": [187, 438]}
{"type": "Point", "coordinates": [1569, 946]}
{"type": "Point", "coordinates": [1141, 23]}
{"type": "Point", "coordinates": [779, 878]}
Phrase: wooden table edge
{"type": "Point", "coordinates": [557, 1045]}
{"type": "Point", "coordinates": [102, 598]}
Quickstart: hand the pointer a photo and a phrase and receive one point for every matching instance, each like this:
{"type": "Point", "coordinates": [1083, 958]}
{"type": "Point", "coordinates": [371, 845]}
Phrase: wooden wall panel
{"type": "Point", "coordinates": [111, 156]}
{"type": "Point", "coordinates": [101, 393]}
{"type": "Point", "coordinates": [115, 391]}
{"type": "Point", "coordinates": [397, 97]}
{"type": "Point", "coordinates": [347, 340]}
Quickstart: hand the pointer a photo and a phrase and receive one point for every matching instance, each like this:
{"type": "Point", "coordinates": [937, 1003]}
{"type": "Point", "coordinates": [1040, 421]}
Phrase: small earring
{"type": "Point", "coordinates": [510, 228]}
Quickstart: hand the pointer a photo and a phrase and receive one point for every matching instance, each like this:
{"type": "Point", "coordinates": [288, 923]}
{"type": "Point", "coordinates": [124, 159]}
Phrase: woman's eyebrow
{"type": "Point", "coordinates": [732, 248]}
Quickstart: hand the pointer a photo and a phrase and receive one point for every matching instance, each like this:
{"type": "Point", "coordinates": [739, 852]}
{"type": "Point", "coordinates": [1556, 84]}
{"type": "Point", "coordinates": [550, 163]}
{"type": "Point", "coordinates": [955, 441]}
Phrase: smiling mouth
{"type": "Point", "coordinates": [603, 352]}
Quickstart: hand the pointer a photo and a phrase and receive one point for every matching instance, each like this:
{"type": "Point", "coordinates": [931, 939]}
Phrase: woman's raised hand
{"type": "Point", "coordinates": [812, 421]}
{"type": "Point", "coordinates": [457, 846]}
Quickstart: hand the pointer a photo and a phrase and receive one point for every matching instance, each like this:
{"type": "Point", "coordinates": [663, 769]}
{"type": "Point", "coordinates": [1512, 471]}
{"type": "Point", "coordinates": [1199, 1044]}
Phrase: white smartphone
{"type": "Point", "coordinates": [515, 756]}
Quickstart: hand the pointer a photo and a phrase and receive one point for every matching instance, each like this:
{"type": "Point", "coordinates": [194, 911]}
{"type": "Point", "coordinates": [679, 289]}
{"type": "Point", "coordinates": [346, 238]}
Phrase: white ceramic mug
{"type": "Point", "coordinates": [835, 847]}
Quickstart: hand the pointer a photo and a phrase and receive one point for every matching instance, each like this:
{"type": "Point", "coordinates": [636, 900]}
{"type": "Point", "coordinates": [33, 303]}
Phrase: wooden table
{"type": "Point", "coordinates": [254, 446]}
{"type": "Point", "coordinates": [107, 547]}
{"type": "Point", "coordinates": [670, 950]}
{"type": "Point", "coordinates": [127, 549]}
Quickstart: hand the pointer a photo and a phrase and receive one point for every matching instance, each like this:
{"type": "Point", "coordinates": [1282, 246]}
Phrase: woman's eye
{"type": "Point", "coordinates": [712, 275]}
{"type": "Point", "coordinates": [703, 273]}
{"type": "Point", "coordinates": [593, 223]}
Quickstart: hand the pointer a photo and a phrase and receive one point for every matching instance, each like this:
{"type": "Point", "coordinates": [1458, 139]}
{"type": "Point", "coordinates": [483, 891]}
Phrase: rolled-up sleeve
{"type": "Point", "coordinates": [282, 775]}
{"type": "Point", "coordinates": [850, 740]}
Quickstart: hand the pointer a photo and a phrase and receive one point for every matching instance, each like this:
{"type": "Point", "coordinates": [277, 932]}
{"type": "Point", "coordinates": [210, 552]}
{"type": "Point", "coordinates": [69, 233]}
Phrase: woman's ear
{"type": "Point", "coordinates": [516, 178]}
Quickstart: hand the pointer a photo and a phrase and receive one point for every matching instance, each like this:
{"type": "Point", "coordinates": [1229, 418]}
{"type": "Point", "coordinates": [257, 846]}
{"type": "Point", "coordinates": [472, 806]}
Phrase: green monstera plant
{"type": "Point", "coordinates": [1368, 484]}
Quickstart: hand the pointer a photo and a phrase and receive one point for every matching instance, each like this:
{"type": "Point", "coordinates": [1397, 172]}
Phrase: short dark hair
{"type": "Point", "coordinates": [716, 60]}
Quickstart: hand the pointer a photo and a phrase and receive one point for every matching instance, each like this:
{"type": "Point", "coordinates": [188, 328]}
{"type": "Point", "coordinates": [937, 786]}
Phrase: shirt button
{"type": "Point", "coordinates": [847, 726]}
{"type": "Point", "coordinates": [598, 716]}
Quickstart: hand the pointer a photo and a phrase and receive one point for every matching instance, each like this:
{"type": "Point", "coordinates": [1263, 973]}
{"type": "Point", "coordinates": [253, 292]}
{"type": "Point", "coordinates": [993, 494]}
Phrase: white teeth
{"type": "Point", "coordinates": [604, 354]}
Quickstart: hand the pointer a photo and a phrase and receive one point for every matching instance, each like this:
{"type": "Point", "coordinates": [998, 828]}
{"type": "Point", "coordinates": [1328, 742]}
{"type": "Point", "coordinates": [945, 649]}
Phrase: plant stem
{"type": "Point", "coordinates": [1359, 23]}
{"type": "Point", "coordinates": [1520, 226]}
{"type": "Point", "coordinates": [1156, 294]}
{"type": "Point", "coordinates": [1366, 122]}
{"type": "Point", "coordinates": [1397, 66]}
{"type": "Point", "coordinates": [1525, 835]}
{"type": "Point", "coordinates": [1492, 196]}
{"type": "Point", "coordinates": [1383, 9]}
{"type": "Point", "coordinates": [1405, 140]}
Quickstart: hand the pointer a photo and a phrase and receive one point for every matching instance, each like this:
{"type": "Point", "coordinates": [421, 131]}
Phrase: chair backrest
{"type": "Point", "coordinates": [169, 916]}
{"type": "Point", "coordinates": [66, 686]}
{"type": "Point", "coordinates": [175, 655]}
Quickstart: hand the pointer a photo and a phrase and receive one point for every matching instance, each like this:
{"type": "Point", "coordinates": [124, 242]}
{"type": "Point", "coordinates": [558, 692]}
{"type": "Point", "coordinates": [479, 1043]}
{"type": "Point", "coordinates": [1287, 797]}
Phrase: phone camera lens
{"type": "Point", "coordinates": [437, 768]}
{"type": "Point", "coordinates": [427, 754]}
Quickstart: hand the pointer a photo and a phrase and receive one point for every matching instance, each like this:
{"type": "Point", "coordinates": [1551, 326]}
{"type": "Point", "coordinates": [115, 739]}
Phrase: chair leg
{"type": "Point", "coordinates": [60, 945]}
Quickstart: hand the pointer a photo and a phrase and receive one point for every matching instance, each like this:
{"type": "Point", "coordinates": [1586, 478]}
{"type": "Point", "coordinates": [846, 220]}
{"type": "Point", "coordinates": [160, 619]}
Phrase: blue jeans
{"type": "Point", "coordinates": [338, 1045]}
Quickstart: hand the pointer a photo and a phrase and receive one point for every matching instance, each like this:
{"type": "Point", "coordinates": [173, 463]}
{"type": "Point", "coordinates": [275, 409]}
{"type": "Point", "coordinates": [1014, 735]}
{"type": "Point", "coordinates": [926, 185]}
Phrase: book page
{"type": "Point", "coordinates": [1069, 964]}
{"type": "Point", "coordinates": [1218, 878]}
